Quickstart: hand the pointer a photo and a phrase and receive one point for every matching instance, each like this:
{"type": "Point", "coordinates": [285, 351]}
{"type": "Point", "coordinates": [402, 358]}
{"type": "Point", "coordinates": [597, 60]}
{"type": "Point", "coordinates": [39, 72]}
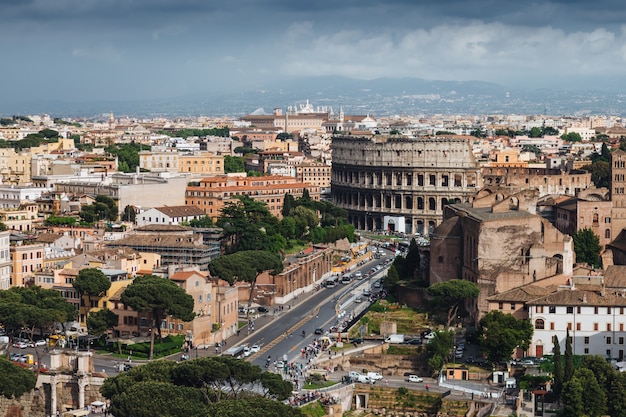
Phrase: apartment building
{"type": "Point", "coordinates": [211, 194]}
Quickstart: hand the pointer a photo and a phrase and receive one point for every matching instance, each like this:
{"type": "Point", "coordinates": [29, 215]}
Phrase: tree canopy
{"type": "Point", "coordinates": [33, 309]}
{"type": "Point", "coordinates": [587, 247]}
{"type": "Point", "coordinates": [213, 386]}
{"type": "Point", "coordinates": [100, 321]}
{"type": "Point", "coordinates": [92, 283]}
{"type": "Point", "coordinates": [15, 380]}
{"type": "Point", "coordinates": [104, 208]}
{"type": "Point", "coordinates": [245, 266]}
{"type": "Point", "coordinates": [158, 297]}
{"type": "Point", "coordinates": [500, 334]}
{"type": "Point", "coordinates": [453, 293]}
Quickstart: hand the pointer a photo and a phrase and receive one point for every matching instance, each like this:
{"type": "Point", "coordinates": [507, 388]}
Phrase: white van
{"type": "Point", "coordinates": [374, 376]}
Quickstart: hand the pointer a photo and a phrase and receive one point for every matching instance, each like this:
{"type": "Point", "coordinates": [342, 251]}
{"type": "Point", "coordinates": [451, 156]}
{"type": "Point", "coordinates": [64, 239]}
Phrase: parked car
{"type": "Point", "coordinates": [357, 341]}
{"type": "Point", "coordinates": [262, 309]}
{"type": "Point", "coordinates": [377, 284]}
{"type": "Point", "coordinates": [367, 292]}
{"type": "Point", "coordinates": [319, 330]}
{"type": "Point", "coordinates": [255, 348]}
{"type": "Point", "coordinates": [20, 345]}
{"type": "Point", "coordinates": [415, 378]}
{"type": "Point", "coordinates": [414, 342]}
{"type": "Point", "coordinates": [37, 343]}
{"type": "Point", "coordinates": [358, 300]}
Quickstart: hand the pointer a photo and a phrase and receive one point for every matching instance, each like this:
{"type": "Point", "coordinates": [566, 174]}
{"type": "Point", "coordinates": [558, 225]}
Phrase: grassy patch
{"type": "Point", "coordinates": [313, 409]}
{"type": "Point", "coordinates": [320, 384]}
{"type": "Point", "coordinates": [408, 320]}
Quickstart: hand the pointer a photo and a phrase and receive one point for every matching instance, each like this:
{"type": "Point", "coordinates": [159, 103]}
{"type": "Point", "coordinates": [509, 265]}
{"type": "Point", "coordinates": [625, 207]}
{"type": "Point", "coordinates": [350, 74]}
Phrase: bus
{"type": "Point", "coordinates": [235, 351]}
{"type": "Point", "coordinates": [330, 282]}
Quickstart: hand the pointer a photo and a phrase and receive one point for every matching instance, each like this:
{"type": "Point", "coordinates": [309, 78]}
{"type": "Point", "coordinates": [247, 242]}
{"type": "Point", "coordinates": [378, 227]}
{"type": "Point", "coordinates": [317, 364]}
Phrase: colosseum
{"type": "Point", "coordinates": [399, 184]}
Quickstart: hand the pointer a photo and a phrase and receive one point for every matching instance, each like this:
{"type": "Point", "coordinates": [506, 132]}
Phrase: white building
{"type": "Point", "coordinates": [5, 261]}
{"type": "Point", "coordinates": [169, 215]}
{"type": "Point", "coordinates": [12, 196]}
{"type": "Point", "coordinates": [594, 315]}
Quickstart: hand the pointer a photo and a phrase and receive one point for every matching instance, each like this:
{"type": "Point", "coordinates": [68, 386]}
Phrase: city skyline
{"type": "Point", "coordinates": [143, 50]}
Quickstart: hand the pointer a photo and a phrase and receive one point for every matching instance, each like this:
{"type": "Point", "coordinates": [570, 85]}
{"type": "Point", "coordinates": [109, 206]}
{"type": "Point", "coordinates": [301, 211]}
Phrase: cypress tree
{"type": "Point", "coordinates": [558, 368]}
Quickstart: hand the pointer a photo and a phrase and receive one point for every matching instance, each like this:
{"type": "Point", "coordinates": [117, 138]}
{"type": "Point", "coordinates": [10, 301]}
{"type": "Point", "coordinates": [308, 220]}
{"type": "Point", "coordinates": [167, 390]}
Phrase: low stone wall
{"type": "Point", "coordinates": [31, 404]}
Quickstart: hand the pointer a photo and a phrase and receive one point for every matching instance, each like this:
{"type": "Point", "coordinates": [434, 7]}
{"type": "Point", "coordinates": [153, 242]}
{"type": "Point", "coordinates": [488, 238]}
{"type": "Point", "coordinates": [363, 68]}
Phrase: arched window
{"type": "Point", "coordinates": [539, 324]}
{"type": "Point", "coordinates": [607, 234]}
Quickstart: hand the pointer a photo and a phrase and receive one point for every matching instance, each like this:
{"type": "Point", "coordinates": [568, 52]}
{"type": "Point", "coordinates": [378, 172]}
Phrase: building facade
{"type": "Point", "coordinates": [401, 184]}
{"type": "Point", "coordinates": [211, 194]}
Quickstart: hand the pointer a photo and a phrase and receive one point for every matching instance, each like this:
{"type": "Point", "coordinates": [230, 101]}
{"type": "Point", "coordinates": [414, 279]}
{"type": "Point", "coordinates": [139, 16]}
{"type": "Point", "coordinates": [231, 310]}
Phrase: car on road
{"type": "Point", "coordinates": [37, 343]}
{"type": "Point", "coordinates": [20, 345]}
{"type": "Point", "coordinates": [358, 300]}
{"type": "Point", "coordinates": [319, 330]}
{"type": "Point", "coordinates": [415, 378]}
{"type": "Point", "coordinates": [255, 348]}
{"type": "Point", "coordinates": [458, 354]}
{"type": "Point", "coordinates": [357, 341]}
{"type": "Point", "coordinates": [247, 352]}
{"type": "Point", "coordinates": [377, 284]}
{"type": "Point", "coordinates": [470, 359]}
{"type": "Point", "coordinates": [262, 309]}
{"type": "Point", "coordinates": [367, 292]}
{"type": "Point", "coordinates": [414, 342]}
{"type": "Point", "coordinates": [358, 275]}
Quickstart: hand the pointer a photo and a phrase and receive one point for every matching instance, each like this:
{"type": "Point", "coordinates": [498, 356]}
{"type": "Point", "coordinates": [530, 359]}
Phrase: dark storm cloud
{"type": "Point", "coordinates": [79, 49]}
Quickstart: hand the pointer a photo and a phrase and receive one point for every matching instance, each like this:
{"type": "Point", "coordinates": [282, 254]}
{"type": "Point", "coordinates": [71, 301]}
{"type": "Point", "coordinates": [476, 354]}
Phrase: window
{"type": "Point", "coordinates": [608, 340]}
{"type": "Point", "coordinates": [586, 351]}
{"type": "Point", "coordinates": [539, 324]}
{"type": "Point", "coordinates": [608, 327]}
{"type": "Point", "coordinates": [569, 326]}
{"type": "Point", "coordinates": [570, 310]}
{"type": "Point", "coordinates": [595, 326]}
{"type": "Point", "coordinates": [577, 326]}
{"type": "Point", "coordinates": [440, 259]}
{"type": "Point", "coordinates": [578, 309]}
{"type": "Point", "coordinates": [586, 341]}
{"type": "Point", "coordinates": [500, 306]}
{"type": "Point", "coordinates": [552, 309]}
{"type": "Point", "coordinates": [608, 310]}
{"type": "Point", "coordinates": [512, 306]}
{"type": "Point", "coordinates": [620, 340]}
{"type": "Point", "coordinates": [595, 310]}
{"type": "Point", "coordinates": [538, 309]}
{"type": "Point", "coordinates": [551, 325]}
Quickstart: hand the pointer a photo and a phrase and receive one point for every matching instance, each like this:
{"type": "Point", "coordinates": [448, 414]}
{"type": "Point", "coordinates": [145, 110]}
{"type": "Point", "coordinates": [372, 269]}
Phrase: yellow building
{"type": "Point", "coordinates": [15, 166]}
{"type": "Point", "coordinates": [201, 163]}
{"type": "Point", "coordinates": [26, 259]}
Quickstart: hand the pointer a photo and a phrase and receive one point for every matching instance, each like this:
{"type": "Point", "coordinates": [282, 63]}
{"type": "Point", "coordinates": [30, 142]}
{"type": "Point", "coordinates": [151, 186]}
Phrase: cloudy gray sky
{"type": "Point", "coordinates": [82, 50]}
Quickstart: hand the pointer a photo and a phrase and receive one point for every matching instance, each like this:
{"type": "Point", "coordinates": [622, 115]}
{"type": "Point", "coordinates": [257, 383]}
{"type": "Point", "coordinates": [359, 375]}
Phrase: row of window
{"type": "Point", "coordinates": [540, 324]}
{"type": "Point", "coordinates": [570, 310]}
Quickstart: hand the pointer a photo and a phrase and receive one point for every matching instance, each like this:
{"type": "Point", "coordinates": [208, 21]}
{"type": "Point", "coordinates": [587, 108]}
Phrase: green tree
{"type": "Point", "coordinates": [213, 386]}
{"type": "Point", "coordinates": [391, 279]}
{"type": "Point", "coordinates": [587, 247]}
{"type": "Point", "coordinates": [49, 133]}
{"type": "Point", "coordinates": [34, 310]}
{"type": "Point", "coordinates": [572, 397]}
{"type": "Point", "coordinates": [245, 222]}
{"type": "Point", "coordinates": [549, 131]}
{"type": "Point", "coordinates": [535, 132]}
{"type": "Point", "coordinates": [500, 334]}
{"type": "Point", "coordinates": [572, 137]}
{"type": "Point", "coordinates": [234, 164]}
{"type": "Point", "coordinates": [100, 321]}
{"type": "Point", "coordinates": [557, 386]}
{"type": "Point", "coordinates": [617, 394]}
{"type": "Point", "coordinates": [60, 221]}
{"type": "Point", "coordinates": [127, 155]}
{"type": "Point", "coordinates": [129, 214]}
{"type": "Point", "coordinates": [202, 222]}
{"type": "Point", "coordinates": [453, 294]}
{"type": "Point", "coordinates": [594, 400]}
{"type": "Point", "coordinates": [15, 381]}
{"type": "Point", "coordinates": [601, 369]}
{"type": "Point", "coordinates": [569, 359]}
{"type": "Point", "coordinates": [104, 208]}
{"type": "Point", "coordinates": [441, 345]}
{"type": "Point", "coordinates": [289, 203]}
{"type": "Point", "coordinates": [245, 266]}
{"type": "Point", "coordinates": [600, 173]}
{"type": "Point", "coordinates": [159, 298]}
{"type": "Point", "coordinates": [92, 283]}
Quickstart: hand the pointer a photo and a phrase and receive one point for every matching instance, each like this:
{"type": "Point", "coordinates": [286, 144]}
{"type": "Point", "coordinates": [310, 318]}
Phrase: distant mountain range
{"type": "Point", "coordinates": [379, 97]}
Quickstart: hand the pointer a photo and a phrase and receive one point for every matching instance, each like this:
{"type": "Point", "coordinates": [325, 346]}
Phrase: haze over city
{"type": "Point", "coordinates": [85, 51]}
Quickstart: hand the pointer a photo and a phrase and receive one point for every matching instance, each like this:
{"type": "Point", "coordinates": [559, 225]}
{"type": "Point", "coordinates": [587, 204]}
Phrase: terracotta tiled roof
{"type": "Point", "coordinates": [185, 275]}
{"type": "Point", "coordinates": [48, 238]}
{"type": "Point", "coordinates": [580, 297]}
{"type": "Point", "coordinates": [180, 211]}
{"type": "Point", "coordinates": [522, 294]}
{"type": "Point", "coordinates": [160, 241]}
{"type": "Point", "coordinates": [615, 276]}
{"type": "Point", "coordinates": [162, 228]}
